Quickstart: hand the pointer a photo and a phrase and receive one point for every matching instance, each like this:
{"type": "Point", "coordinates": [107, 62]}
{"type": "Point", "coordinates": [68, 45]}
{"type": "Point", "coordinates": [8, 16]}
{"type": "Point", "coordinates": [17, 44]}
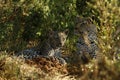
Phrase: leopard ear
{"type": "Point", "coordinates": [66, 31]}
{"type": "Point", "coordinates": [89, 20]}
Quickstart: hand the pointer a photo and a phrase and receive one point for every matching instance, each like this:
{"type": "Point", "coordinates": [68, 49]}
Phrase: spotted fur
{"type": "Point", "coordinates": [86, 32]}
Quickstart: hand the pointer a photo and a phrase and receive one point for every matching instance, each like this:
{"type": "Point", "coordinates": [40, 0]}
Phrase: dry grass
{"type": "Point", "coordinates": [12, 68]}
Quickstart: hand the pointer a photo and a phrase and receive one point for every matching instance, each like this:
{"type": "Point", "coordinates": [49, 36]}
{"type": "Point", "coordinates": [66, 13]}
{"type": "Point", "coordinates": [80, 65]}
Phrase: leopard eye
{"type": "Point", "coordinates": [81, 32]}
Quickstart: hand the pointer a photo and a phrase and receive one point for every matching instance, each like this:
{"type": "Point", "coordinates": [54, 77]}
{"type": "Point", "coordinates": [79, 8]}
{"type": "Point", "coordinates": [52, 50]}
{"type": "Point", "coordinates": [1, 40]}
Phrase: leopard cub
{"type": "Point", "coordinates": [54, 42]}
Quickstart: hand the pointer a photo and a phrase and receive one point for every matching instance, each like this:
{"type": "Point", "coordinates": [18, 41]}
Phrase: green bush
{"type": "Point", "coordinates": [30, 20]}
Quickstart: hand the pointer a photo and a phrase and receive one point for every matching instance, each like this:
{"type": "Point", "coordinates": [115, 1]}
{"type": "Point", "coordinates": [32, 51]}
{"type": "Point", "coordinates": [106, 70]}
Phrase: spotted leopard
{"type": "Point", "coordinates": [86, 32]}
{"type": "Point", "coordinates": [51, 47]}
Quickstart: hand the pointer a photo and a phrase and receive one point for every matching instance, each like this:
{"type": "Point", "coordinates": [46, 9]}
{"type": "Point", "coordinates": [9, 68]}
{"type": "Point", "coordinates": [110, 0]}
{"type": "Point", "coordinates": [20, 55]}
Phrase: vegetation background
{"type": "Point", "coordinates": [23, 22]}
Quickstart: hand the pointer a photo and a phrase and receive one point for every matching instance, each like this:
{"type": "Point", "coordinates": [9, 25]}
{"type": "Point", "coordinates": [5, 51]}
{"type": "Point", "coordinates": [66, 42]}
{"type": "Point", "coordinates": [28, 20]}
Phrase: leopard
{"type": "Point", "coordinates": [50, 47]}
{"type": "Point", "coordinates": [86, 33]}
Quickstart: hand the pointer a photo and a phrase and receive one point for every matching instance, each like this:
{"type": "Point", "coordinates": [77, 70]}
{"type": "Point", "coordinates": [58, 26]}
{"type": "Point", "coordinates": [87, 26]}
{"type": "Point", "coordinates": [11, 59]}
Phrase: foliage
{"type": "Point", "coordinates": [25, 21]}
{"type": "Point", "coordinates": [108, 17]}
{"type": "Point", "coordinates": [29, 20]}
